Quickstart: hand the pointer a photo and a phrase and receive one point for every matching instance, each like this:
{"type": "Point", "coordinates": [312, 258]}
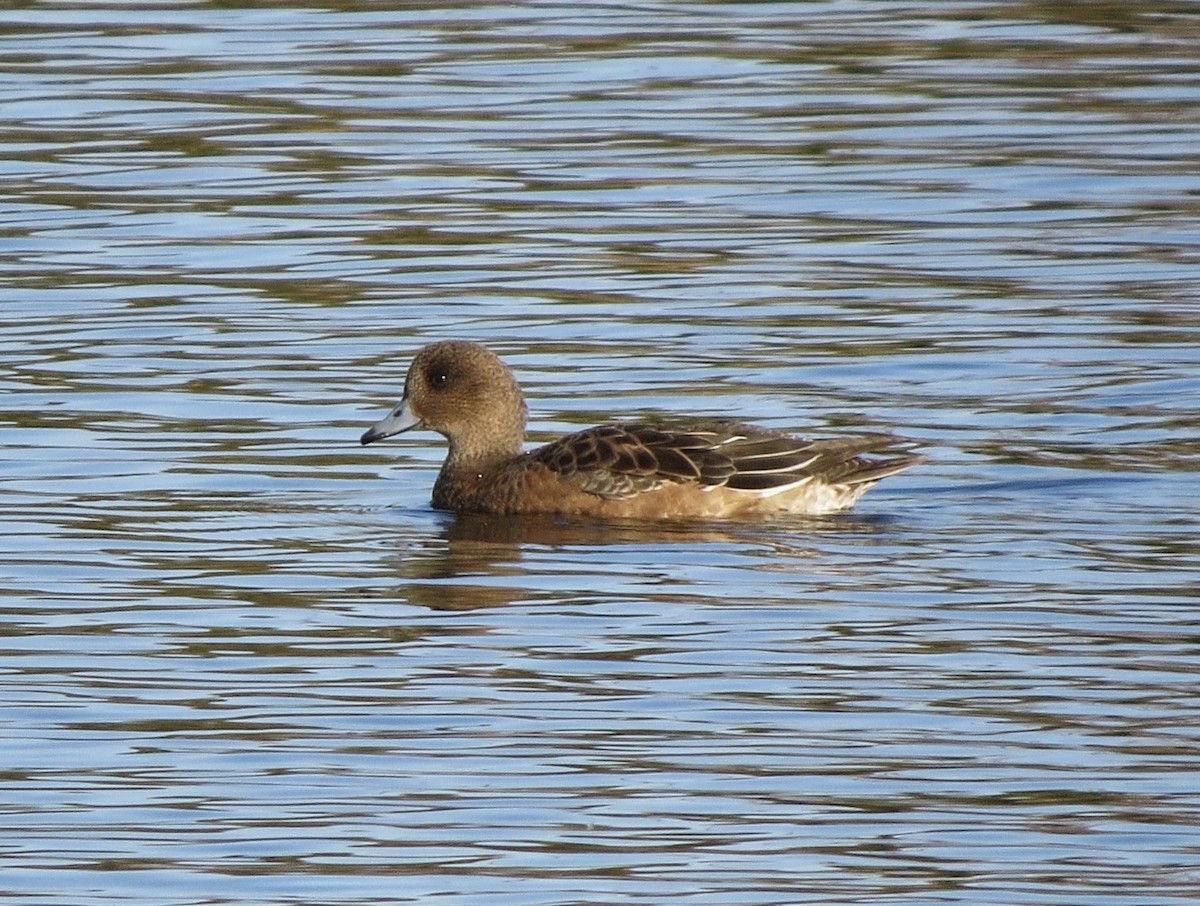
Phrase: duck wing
{"type": "Point", "coordinates": [766, 463]}
{"type": "Point", "coordinates": [622, 461]}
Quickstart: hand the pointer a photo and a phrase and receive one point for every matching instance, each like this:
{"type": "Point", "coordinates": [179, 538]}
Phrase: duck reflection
{"type": "Point", "coordinates": [481, 560]}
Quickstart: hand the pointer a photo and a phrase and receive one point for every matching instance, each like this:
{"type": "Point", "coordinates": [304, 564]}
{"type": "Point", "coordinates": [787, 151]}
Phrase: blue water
{"type": "Point", "coordinates": [245, 661]}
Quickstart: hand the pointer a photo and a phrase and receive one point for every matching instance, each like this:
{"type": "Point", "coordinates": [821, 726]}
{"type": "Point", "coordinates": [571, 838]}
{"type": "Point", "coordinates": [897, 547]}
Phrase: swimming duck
{"type": "Point", "coordinates": [707, 471]}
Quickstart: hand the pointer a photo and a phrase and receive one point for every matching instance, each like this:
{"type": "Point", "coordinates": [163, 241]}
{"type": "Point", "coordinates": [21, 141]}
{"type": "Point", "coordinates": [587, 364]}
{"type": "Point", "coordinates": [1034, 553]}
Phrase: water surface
{"type": "Point", "coordinates": [244, 661]}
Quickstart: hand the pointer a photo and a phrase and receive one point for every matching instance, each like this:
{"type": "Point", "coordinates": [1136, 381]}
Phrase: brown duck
{"type": "Point", "coordinates": [465, 393]}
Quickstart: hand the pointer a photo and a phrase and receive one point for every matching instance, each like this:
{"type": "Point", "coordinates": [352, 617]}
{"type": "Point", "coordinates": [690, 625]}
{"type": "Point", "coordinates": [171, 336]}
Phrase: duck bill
{"type": "Point", "coordinates": [402, 418]}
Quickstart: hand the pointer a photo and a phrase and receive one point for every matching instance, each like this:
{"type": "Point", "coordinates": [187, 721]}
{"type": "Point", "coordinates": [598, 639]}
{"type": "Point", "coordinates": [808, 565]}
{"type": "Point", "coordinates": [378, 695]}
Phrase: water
{"type": "Point", "coordinates": [244, 661]}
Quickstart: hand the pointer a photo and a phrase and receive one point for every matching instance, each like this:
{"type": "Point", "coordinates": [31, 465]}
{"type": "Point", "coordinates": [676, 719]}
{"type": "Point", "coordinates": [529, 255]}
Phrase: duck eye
{"type": "Point", "coordinates": [438, 380]}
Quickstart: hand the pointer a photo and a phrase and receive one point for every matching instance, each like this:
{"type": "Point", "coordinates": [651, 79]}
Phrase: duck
{"type": "Point", "coordinates": [700, 470]}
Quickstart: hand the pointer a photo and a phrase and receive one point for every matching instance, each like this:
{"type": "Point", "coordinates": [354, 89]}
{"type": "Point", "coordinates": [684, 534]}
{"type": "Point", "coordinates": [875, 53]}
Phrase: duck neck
{"type": "Point", "coordinates": [485, 445]}
{"type": "Point", "coordinates": [467, 458]}
{"type": "Point", "coordinates": [475, 478]}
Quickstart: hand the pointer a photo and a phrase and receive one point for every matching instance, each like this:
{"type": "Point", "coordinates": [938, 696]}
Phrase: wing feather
{"type": "Point", "coordinates": [621, 461]}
